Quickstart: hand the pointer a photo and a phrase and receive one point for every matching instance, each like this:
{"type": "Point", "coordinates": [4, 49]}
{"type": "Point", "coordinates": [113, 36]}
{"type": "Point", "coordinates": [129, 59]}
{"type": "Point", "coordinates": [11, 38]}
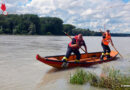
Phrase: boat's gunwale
{"type": "Point", "coordinates": [82, 62]}
{"type": "Point", "coordinates": [72, 54]}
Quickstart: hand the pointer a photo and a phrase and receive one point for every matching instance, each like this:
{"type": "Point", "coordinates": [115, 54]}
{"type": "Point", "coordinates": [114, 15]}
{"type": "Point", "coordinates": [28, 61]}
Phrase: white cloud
{"type": "Point", "coordinates": [87, 12]}
{"type": "Point", "coordinates": [93, 14]}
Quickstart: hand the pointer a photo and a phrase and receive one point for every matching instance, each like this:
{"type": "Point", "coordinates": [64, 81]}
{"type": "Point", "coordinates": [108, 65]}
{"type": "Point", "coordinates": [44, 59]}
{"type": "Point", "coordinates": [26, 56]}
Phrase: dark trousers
{"type": "Point", "coordinates": [106, 48]}
{"type": "Point", "coordinates": [75, 51]}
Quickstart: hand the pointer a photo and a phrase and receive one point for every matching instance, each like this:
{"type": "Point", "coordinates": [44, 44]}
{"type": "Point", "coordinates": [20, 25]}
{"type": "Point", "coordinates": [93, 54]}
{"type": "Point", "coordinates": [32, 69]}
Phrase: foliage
{"type": "Point", "coordinates": [79, 77]}
{"type": "Point", "coordinates": [30, 24]}
{"type": "Point", "coordinates": [68, 28]}
{"type": "Point", "coordinates": [113, 79]}
{"type": "Point", "coordinates": [51, 24]}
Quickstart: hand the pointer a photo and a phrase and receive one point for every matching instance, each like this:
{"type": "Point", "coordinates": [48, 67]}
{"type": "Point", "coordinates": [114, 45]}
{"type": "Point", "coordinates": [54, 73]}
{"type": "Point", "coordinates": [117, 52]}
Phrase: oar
{"type": "Point", "coordinates": [71, 38]}
{"type": "Point", "coordinates": [117, 51]}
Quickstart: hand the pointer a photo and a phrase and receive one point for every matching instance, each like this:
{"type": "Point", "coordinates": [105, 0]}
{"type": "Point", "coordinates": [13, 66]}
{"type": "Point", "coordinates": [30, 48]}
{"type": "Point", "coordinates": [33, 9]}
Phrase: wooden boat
{"type": "Point", "coordinates": [85, 61]}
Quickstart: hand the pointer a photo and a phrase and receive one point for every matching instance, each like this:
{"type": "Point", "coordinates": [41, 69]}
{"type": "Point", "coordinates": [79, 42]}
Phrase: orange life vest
{"type": "Point", "coordinates": [107, 38]}
{"type": "Point", "coordinates": [77, 41]}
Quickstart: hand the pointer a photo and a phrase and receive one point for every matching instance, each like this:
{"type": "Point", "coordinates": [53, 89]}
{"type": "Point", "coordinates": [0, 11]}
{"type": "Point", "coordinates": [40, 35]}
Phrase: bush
{"type": "Point", "coordinates": [113, 79]}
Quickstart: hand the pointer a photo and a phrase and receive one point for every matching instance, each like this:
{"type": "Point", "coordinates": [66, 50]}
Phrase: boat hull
{"type": "Point", "coordinates": [85, 61]}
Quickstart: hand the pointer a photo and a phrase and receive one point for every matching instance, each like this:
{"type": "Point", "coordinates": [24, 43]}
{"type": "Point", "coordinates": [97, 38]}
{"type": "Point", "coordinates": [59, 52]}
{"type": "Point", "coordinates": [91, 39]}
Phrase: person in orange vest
{"type": "Point", "coordinates": [74, 46]}
{"type": "Point", "coordinates": [105, 42]}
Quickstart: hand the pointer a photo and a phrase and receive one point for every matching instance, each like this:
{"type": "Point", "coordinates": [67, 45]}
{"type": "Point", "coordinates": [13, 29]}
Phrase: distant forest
{"type": "Point", "coordinates": [30, 24]}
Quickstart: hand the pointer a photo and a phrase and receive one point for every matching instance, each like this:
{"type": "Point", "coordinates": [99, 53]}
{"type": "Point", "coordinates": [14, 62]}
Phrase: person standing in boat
{"type": "Point", "coordinates": [106, 39]}
{"type": "Point", "coordinates": [74, 46]}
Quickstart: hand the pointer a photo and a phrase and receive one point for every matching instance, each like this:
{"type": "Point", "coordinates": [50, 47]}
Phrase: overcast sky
{"type": "Point", "coordinates": [92, 14]}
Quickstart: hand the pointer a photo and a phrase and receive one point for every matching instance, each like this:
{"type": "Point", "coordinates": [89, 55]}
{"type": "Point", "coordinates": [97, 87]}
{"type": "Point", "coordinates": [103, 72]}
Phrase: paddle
{"type": "Point", "coordinates": [117, 51]}
{"type": "Point", "coordinates": [71, 38]}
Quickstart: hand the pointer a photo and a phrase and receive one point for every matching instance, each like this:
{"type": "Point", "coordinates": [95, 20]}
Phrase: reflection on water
{"type": "Point", "coordinates": [19, 70]}
{"type": "Point", "coordinates": [52, 76]}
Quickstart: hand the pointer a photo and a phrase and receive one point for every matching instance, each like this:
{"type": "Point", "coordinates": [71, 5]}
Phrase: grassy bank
{"type": "Point", "coordinates": [112, 79]}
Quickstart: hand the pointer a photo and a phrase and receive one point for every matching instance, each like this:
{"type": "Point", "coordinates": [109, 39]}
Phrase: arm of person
{"type": "Point", "coordinates": [101, 31]}
{"type": "Point", "coordinates": [85, 47]}
{"type": "Point", "coordinates": [111, 42]}
{"type": "Point", "coordinates": [74, 44]}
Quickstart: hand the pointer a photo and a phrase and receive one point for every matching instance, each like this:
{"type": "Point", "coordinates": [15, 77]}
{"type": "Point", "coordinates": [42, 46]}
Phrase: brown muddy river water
{"type": "Point", "coordinates": [19, 69]}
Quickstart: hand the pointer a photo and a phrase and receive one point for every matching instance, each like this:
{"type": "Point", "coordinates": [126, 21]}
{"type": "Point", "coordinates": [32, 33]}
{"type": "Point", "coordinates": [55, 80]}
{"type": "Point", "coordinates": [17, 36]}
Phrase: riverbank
{"type": "Point", "coordinates": [112, 34]}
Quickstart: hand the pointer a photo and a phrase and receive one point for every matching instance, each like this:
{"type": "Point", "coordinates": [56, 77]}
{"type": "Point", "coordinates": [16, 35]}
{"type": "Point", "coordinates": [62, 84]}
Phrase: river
{"type": "Point", "coordinates": [19, 69]}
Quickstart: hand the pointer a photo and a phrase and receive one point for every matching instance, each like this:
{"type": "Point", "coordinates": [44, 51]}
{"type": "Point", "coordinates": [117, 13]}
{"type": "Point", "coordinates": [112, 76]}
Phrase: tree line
{"type": "Point", "coordinates": [30, 24]}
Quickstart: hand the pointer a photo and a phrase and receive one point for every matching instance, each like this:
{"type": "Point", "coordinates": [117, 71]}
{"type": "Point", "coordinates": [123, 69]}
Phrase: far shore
{"type": "Point", "coordinates": [115, 35]}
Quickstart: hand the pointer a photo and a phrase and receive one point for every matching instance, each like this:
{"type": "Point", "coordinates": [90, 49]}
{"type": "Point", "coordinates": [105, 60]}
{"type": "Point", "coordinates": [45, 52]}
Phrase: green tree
{"type": "Point", "coordinates": [32, 29]}
{"type": "Point", "coordinates": [51, 24]}
{"type": "Point", "coordinates": [68, 28]}
{"type": "Point", "coordinates": [1, 30]}
{"type": "Point", "coordinates": [17, 30]}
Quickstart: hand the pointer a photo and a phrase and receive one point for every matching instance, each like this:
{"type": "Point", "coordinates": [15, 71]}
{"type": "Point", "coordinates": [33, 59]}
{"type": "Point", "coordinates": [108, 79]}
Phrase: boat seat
{"type": "Point", "coordinates": [86, 59]}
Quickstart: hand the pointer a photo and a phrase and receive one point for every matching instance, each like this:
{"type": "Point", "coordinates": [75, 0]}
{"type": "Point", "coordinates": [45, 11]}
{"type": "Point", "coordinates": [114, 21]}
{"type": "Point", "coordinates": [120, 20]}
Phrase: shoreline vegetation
{"type": "Point", "coordinates": [31, 24]}
{"type": "Point", "coordinates": [109, 78]}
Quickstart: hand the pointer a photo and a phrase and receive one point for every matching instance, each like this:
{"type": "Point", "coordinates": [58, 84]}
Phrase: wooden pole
{"type": "Point", "coordinates": [117, 51]}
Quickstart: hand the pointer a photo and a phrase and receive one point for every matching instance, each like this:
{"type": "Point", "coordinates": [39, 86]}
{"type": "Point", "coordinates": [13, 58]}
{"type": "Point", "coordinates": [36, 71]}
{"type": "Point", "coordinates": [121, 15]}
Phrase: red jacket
{"type": "Point", "coordinates": [80, 43]}
{"type": "Point", "coordinates": [107, 38]}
